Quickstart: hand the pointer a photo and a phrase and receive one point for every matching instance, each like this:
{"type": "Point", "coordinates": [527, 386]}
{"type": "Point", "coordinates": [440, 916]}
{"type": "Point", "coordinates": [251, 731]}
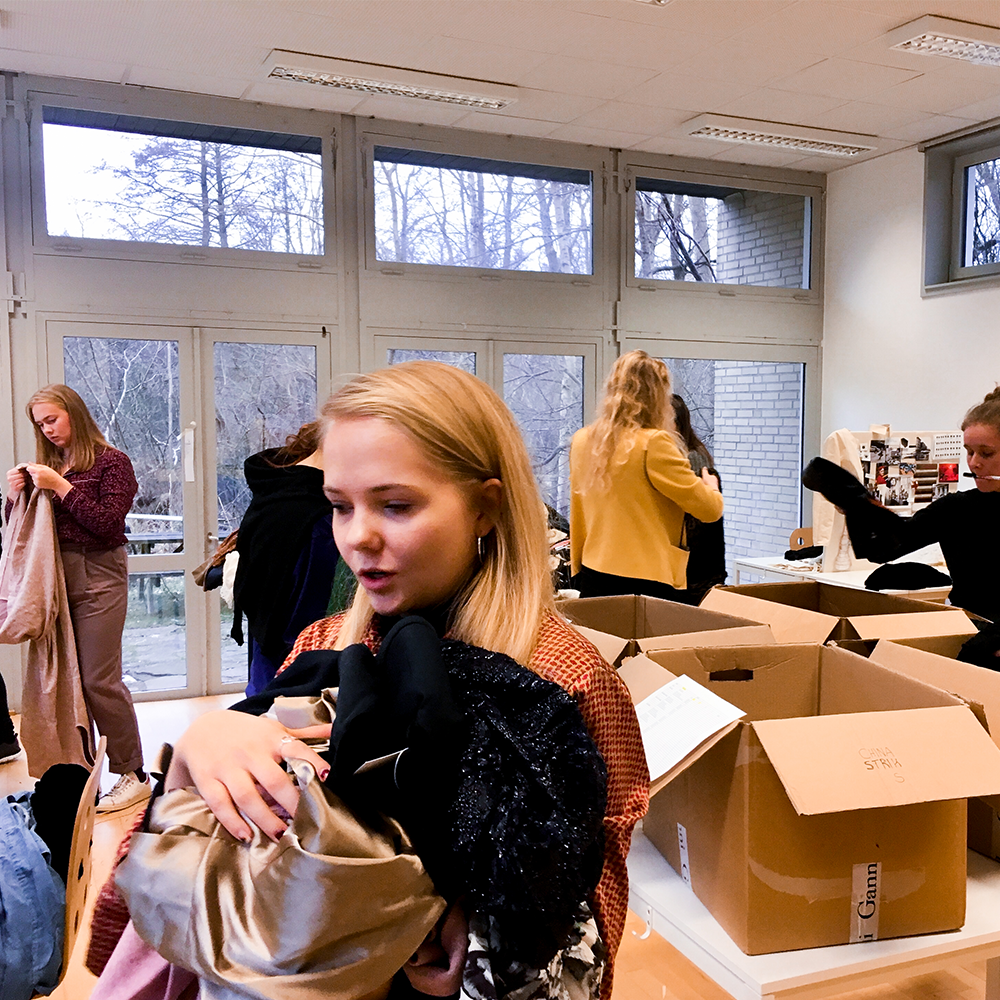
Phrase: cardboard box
{"type": "Point", "coordinates": [624, 626]}
{"type": "Point", "coordinates": [932, 660]}
{"type": "Point", "coordinates": [833, 811]}
{"type": "Point", "coordinates": [808, 611]}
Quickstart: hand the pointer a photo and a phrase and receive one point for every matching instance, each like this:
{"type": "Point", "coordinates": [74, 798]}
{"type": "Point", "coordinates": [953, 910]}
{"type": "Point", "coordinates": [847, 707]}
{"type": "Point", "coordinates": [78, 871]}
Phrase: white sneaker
{"type": "Point", "coordinates": [128, 791]}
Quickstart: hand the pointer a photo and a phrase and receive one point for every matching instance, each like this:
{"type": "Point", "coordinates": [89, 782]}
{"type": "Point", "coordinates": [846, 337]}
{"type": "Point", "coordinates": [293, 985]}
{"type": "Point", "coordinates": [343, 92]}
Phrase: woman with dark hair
{"type": "Point", "coordinates": [93, 486]}
{"type": "Point", "coordinates": [287, 555]}
{"type": "Point", "coordinates": [964, 523]}
{"type": "Point", "coordinates": [631, 487]}
{"type": "Point", "coordinates": [706, 542]}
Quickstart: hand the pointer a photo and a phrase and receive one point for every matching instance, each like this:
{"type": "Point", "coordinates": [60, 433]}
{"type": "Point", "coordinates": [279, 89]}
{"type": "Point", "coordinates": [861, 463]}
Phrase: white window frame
{"type": "Point", "coordinates": [944, 214]}
{"type": "Point", "coordinates": [484, 147]}
{"type": "Point", "coordinates": [812, 237]}
{"type": "Point", "coordinates": [812, 381]}
{"type": "Point", "coordinates": [218, 111]}
{"type": "Point", "coordinates": [962, 217]}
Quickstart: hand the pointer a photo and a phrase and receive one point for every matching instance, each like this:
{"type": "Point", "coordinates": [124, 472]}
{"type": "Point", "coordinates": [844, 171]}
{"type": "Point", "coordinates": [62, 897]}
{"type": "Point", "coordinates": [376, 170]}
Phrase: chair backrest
{"type": "Point", "coordinates": [800, 538]}
{"type": "Point", "coordinates": [78, 874]}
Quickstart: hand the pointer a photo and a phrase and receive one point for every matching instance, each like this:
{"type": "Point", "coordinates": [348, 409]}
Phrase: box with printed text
{"type": "Point", "coordinates": [833, 811]}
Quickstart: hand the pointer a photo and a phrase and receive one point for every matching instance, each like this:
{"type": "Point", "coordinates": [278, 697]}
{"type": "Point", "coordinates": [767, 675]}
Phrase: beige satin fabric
{"type": "Point", "coordinates": [333, 910]}
{"type": "Point", "coordinates": [55, 724]}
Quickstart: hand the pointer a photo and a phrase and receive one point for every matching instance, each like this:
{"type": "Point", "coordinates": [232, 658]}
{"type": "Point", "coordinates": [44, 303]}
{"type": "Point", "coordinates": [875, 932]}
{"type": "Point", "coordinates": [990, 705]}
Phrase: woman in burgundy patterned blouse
{"type": "Point", "coordinates": [92, 486]}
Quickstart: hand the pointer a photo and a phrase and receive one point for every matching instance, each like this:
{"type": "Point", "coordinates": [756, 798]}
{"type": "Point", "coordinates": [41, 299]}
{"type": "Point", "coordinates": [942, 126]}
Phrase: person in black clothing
{"type": "Point", "coordinates": [706, 540]}
{"type": "Point", "coordinates": [964, 523]}
{"type": "Point", "coordinates": [287, 554]}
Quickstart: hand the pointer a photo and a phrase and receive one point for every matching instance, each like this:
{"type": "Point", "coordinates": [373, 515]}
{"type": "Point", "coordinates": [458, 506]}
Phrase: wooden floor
{"type": "Point", "coordinates": [647, 968]}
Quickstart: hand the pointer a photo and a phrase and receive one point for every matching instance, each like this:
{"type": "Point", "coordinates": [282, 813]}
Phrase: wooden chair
{"type": "Point", "coordinates": [800, 538]}
{"type": "Point", "coordinates": [80, 856]}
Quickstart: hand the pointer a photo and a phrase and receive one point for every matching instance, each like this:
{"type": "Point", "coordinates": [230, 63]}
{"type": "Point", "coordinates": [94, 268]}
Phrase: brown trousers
{"type": "Point", "coordinates": [97, 587]}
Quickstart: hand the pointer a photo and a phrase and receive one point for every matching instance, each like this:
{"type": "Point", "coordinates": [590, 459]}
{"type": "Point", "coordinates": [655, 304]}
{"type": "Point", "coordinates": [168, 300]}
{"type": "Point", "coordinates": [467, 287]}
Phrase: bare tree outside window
{"type": "Point", "coordinates": [675, 236]}
{"type": "Point", "coordinates": [263, 393]}
{"type": "Point", "coordinates": [733, 236]}
{"type": "Point", "coordinates": [502, 219]}
{"type": "Point", "coordinates": [545, 394]}
{"type": "Point", "coordinates": [983, 220]}
{"type": "Point", "coordinates": [132, 388]}
{"type": "Point", "coordinates": [114, 185]}
{"type": "Point", "coordinates": [466, 360]}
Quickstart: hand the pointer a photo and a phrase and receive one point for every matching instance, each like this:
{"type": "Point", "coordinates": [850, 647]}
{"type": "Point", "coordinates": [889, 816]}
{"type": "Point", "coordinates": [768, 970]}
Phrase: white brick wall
{"type": "Point", "coordinates": [761, 239]}
{"type": "Point", "coordinates": [749, 413]}
{"type": "Point", "coordinates": [758, 451]}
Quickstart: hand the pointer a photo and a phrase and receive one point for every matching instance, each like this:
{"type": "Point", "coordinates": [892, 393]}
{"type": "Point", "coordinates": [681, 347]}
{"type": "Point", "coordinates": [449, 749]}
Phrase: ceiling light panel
{"type": "Point", "coordinates": [942, 36]}
{"type": "Point", "coordinates": [723, 128]}
{"type": "Point", "coordinates": [392, 81]}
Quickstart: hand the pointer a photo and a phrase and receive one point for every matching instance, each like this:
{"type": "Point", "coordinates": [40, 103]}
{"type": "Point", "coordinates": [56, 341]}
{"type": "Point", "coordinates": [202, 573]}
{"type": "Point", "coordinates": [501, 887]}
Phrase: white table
{"type": "Point", "coordinates": [773, 569]}
{"type": "Point", "coordinates": [657, 894]}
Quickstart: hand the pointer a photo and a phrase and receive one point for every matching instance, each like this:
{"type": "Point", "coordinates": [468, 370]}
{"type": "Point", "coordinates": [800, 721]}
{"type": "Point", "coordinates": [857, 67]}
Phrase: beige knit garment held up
{"type": "Point", "coordinates": [55, 724]}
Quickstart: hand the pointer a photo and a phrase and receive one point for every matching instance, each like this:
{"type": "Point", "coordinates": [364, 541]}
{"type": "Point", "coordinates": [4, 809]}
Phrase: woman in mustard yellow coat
{"type": "Point", "coordinates": [631, 486]}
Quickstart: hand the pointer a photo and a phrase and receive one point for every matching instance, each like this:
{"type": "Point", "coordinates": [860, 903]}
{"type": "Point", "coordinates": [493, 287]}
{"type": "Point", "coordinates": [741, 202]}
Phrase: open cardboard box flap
{"type": "Point", "coordinates": [837, 763]}
{"type": "Point", "coordinates": [743, 635]}
{"type": "Point", "coordinates": [933, 663]}
{"type": "Point", "coordinates": [948, 622]}
{"type": "Point", "coordinates": [644, 677]}
{"type": "Point", "coordinates": [788, 623]}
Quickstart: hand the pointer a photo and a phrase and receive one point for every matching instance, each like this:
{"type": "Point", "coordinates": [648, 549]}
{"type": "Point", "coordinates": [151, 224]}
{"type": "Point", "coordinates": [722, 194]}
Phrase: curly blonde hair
{"type": "Point", "coordinates": [637, 395]}
{"type": "Point", "coordinates": [466, 430]}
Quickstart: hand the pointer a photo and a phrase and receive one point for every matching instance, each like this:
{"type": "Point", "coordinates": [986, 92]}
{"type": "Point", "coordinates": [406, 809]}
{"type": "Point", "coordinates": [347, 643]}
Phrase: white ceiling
{"type": "Point", "coordinates": [612, 73]}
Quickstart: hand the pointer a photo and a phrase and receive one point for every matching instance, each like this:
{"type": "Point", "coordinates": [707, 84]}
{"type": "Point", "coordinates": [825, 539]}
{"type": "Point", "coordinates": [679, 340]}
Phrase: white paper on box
{"type": "Point", "coordinates": [677, 718]}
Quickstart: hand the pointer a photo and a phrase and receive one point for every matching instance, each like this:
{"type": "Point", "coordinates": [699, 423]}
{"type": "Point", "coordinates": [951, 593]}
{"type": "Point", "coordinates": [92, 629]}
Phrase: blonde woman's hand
{"type": "Point", "coordinates": [48, 479]}
{"type": "Point", "coordinates": [711, 481]}
{"type": "Point", "coordinates": [230, 758]}
{"type": "Point", "coordinates": [15, 480]}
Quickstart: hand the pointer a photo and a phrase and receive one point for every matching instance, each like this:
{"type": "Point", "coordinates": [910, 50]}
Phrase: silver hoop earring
{"type": "Point", "coordinates": [480, 546]}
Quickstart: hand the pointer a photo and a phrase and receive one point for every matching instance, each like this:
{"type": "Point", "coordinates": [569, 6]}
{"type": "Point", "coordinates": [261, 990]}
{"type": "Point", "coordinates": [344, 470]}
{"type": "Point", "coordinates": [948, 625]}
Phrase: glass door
{"type": "Point", "coordinates": [188, 406]}
{"type": "Point", "coordinates": [261, 389]}
{"type": "Point", "coordinates": [549, 387]}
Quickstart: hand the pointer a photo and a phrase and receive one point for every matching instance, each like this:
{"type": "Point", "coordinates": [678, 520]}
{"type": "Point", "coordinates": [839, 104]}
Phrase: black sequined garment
{"type": "Point", "coordinates": [500, 786]}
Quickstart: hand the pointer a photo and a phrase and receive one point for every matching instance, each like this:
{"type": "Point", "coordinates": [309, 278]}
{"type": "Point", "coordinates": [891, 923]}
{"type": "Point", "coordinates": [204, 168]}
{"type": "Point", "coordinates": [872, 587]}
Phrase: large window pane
{"type": "Point", "coordinates": [235, 659]}
{"type": "Point", "coordinates": [433, 208]}
{"type": "Point", "coordinates": [545, 394]}
{"type": "Point", "coordinates": [153, 643]}
{"type": "Point", "coordinates": [982, 186]}
{"type": "Point", "coordinates": [749, 413]}
{"type": "Point", "coordinates": [132, 388]}
{"type": "Point", "coordinates": [466, 360]}
{"type": "Point", "coordinates": [114, 177]}
{"type": "Point", "coordinates": [688, 232]}
{"type": "Point", "coordinates": [263, 393]}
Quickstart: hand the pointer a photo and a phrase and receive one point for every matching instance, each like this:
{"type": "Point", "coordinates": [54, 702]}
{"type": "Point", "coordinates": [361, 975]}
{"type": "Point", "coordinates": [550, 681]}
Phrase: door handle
{"type": "Point", "coordinates": [212, 539]}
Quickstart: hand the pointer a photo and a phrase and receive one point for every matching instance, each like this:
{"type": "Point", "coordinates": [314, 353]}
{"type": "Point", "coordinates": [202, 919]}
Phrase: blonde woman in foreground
{"type": "Point", "coordinates": [437, 513]}
{"type": "Point", "coordinates": [631, 487]}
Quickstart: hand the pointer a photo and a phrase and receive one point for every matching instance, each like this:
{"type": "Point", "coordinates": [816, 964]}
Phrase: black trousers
{"type": "Point", "coordinates": [7, 734]}
{"type": "Point", "coordinates": [590, 583]}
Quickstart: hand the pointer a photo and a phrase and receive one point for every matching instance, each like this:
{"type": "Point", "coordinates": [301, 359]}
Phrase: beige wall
{"type": "Point", "coordinates": [890, 355]}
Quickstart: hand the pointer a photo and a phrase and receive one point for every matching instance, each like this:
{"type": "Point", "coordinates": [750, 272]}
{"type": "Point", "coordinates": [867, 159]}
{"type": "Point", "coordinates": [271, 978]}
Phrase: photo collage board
{"type": "Point", "coordinates": [906, 471]}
